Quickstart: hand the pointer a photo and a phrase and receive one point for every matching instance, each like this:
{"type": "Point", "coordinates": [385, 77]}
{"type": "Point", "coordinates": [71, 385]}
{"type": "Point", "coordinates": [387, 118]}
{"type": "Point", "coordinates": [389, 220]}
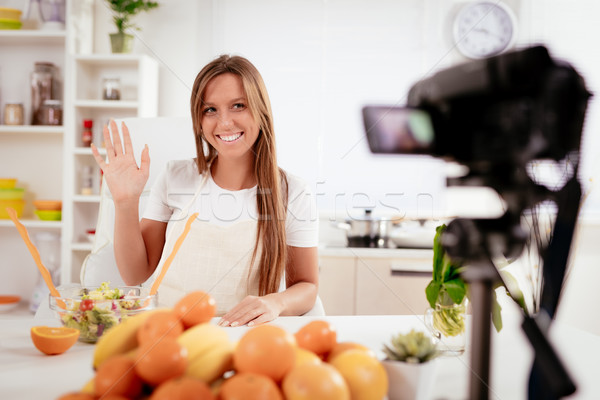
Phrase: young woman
{"type": "Point", "coordinates": [255, 225]}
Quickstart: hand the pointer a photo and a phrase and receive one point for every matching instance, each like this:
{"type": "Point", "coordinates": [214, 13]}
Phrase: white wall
{"type": "Point", "coordinates": [323, 60]}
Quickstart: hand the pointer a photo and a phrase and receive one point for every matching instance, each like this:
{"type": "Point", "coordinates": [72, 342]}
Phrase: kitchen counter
{"type": "Point", "coordinates": [401, 259]}
{"type": "Point", "coordinates": [25, 373]}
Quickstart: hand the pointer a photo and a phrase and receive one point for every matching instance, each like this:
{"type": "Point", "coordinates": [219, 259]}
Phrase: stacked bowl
{"type": "Point", "coordinates": [10, 18]}
{"type": "Point", "coordinates": [48, 210]}
{"type": "Point", "coordinates": [11, 196]}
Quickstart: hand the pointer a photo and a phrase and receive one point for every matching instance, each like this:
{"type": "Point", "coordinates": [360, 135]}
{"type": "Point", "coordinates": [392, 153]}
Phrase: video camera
{"type": "Point", "coordinates": [495, 116]}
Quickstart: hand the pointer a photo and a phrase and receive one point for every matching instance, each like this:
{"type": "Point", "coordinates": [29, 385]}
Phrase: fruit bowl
{"type": "Point", "coordinates": [94, 310]}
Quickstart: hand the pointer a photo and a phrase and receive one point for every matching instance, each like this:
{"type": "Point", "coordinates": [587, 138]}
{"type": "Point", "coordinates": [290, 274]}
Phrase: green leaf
{"type": "Point", "coordinates": [432, 291]}
{"type": "Point", "coordinates": [513, 290]}
{"type": "Point", "coordinates": [455, 289]}
{"type": "Point", "coordinates": [438, 254]}
{"type": "Point", "coordinates": [496, 313]}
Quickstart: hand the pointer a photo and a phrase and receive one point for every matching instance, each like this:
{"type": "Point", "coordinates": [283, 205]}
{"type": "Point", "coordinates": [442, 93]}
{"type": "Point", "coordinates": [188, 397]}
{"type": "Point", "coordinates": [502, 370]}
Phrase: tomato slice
{"type": "Point", "coordinates": [86, 305]}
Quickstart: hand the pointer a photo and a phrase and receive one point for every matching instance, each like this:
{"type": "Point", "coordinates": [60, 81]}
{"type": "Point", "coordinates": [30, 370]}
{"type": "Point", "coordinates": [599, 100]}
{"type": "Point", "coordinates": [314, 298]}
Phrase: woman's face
{"type": "Point", "coordinates": [227, 122]}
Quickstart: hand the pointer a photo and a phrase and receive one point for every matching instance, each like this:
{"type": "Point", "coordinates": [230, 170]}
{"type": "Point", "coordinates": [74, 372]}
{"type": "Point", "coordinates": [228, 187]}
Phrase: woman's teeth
{"type": "Point", "coordinates": [230, 138]}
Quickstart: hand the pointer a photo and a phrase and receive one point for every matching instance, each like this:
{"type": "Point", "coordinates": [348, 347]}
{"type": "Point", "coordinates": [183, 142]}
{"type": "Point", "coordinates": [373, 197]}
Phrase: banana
{"type": "Point", "coordinates": [119, 339]}
{"type": "Point", "coordinates": [201, 338]}
{"type": "Point", "coordinates": [210, 366]}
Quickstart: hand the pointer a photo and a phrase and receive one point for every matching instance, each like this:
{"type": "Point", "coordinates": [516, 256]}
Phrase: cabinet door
{"type": "Point", "coordinates": [378, 291]}
{"type": "Point", "coordinates": [337, 285]}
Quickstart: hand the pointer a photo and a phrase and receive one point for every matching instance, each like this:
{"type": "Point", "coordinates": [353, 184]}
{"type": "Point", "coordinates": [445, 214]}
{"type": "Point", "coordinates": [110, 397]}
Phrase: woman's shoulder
{"type": "Point", "coordinates": [295, 183]}
{"type": "Point", "coordinates": [182, 171]}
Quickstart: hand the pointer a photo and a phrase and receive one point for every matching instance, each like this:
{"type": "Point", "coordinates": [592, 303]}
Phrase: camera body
{"type": "Point", "coordinates": [502, 111]}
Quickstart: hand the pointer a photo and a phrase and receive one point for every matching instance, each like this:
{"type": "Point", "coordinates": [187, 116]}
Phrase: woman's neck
{"type": "Point", "coordinates": [233, 174]}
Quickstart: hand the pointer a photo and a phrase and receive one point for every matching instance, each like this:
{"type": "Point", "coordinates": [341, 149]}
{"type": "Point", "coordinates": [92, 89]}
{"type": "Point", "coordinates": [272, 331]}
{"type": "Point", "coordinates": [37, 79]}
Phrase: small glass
{"type": "Point", "coordinates": [111, 88]}
{"type": "Point", "coordinates": [14, 114]}
{"type": "Point", "coordinates": [51, 112]}
{"type": "Point", "coordinates": [447, 323]}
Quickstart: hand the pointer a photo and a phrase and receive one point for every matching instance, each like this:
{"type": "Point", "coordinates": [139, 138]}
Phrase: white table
{"type": "Point", "coordinates": [25, 373]}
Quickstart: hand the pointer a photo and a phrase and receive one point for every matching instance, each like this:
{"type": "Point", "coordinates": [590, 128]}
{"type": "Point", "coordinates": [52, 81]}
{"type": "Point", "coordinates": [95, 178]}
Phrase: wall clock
{"type": "Point", "coordinates": [484, 28]}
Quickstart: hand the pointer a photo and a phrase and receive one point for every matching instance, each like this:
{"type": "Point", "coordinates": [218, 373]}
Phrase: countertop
{"type": "Point", "coordinates": [25, 373]}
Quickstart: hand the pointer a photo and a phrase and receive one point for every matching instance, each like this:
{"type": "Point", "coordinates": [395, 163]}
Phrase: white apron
{"type": "Point", "coordinates": [212, 258]}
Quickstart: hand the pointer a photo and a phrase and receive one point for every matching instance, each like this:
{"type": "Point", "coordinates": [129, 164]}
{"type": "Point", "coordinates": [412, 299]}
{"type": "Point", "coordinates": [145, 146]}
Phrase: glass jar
{"type": "Point", "coordinates": [111, 88]}
{"type": "Point", "coordinates": [87, 136]}
{"type": "Point", "coordinates": [14, 114]}
{"type": "Point", "coordinates": [41, 89]}
{"type": "Point", "coordinates": [51, 113]}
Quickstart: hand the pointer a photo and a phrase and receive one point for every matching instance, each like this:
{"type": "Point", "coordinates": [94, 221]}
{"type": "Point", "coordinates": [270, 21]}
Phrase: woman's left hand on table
{"type": "Point", "coordinates": [253, 310]}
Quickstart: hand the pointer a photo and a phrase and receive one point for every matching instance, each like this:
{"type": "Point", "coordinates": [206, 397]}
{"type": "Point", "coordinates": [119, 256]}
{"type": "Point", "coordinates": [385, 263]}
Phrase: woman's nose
{"type": "Point", "coordinates": [225, 120]}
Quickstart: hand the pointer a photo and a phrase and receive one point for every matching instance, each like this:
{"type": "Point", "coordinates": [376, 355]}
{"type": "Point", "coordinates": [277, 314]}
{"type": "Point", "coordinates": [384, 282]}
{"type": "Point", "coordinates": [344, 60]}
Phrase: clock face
{"type": "Point", "coordinates": [484, 29]}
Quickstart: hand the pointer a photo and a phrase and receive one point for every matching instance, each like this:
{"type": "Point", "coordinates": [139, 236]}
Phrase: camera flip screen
{"type": "Point", "coordinates": [398, 130]}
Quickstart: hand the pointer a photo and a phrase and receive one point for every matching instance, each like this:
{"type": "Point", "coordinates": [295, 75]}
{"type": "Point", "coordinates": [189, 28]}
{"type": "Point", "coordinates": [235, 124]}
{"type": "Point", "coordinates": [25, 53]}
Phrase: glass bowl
{"type": "Point", "coordinates": [87, 309]}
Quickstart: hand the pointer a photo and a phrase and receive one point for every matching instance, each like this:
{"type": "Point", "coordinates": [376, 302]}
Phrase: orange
{"type": "Point", "coordinates": [305, 356]}
{"type": "Point", "coordinates": [315, 382]}
{"type": "Point", "coordinates": [267, 350]}
{"type": "Point", "coordinates": [76, 396]}
{"type": "Point", "coordinates": [317, 336]}
{"type": "Point", "coordinates": [159, 324]}
{"type": "Point", "coordinates": [341, 347]}
{"type": "Point", "coordinates": [249, 386]}
{"type": "Point", "coordinates": [116, 376]}
{"type": "Point", "coordinates": [195, 308]}
{"type": "Point", "coordinates": [161, 361]}
{"type": "Point", "coordinates": [184, 388]}
{"type": "Point", "coordinates": [364, 374]}
{"type": "Point", "coordinates": [50, 340]}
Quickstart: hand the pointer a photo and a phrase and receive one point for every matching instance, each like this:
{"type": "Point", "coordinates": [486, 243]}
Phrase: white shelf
{"type": "Point", "coordinates": [86, 151]}
{"type": "Point", "coordinates": [106, 104]}
{"type": "Point", "coordinates": [32, 129]}
{"type": "Point", "coordinates": [32, 37]}
{"type": "Point", "coordinates": [84, 198]}
{"type": "Point", "coordinates": [81, 246]}
{"type": "Point", "coordinates": [33, 223]}
{"type": "Point", "coordinates": [110, 60]}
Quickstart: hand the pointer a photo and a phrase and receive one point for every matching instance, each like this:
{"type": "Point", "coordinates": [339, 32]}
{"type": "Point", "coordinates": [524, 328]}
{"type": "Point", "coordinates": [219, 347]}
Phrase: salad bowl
{"type": "Point", "coordinates": [94, 310]}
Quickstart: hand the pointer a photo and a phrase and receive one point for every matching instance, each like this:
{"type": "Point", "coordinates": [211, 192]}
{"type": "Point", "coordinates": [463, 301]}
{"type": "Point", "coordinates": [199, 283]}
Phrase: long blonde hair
{"type": "Point", "coordinates": [271, 197]}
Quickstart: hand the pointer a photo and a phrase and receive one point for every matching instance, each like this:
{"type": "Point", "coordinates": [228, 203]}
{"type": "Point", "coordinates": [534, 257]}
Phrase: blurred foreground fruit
{"type": "Point", "coordinates": [304, 356]}
{"type": "Point", "coordinates": [317, 336]}
{"type": "Point", "coordinates": [184, 388]}
{"type": "Point", "coordinates": [50, 340]}
{"type": "Point", "coordinates": [341, 347]}
{"type": "Point", "coordinates": [117, 376]}
{"type": "Point", "coordinates": [162, 323]}
{"type": "Point", "coordinates": [158, 362]}
{"type": "Point", "coordinates": [267, 350]}
{"type": "Point", "coordinates": [364, 374]}
{"type": "Point", "coordinates": [249, 386]}
{"type": "Point", "coordinates": [77, 396]}
{"type": "Point", "coordinates": [315, 382]}
{"type": "Point", "coordinates": [119, 339]}
{"type": "Point", "coordinates": [195, 308]}
{"type": "Point", "coordinates": [210, 352]}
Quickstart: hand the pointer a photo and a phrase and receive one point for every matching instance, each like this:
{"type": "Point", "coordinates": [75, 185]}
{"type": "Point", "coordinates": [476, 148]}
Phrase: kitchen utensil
{"type": "Point", "coordinates": [169, 259]}
{"type": "Point", "coordinates": [49, 205]}
{"type": "Point", "coordinates": [367, 231]}
{"type": "Point", "coordinates": [7, 183]}
{"type": "Point", "coordinates": [8, 302]}
{"type": "Point", "coordinates": [35, 254]}
{"type": "Point", "coordinates": [96, 314]}
{"type": "Point", "coordinates": [17, 205]}
{"type": "Point", "coordinates": [414, 234]}
{"type": "Point", "coordinates": [49, 215]}
{"type": "Point", "coordinates": [12, 194]}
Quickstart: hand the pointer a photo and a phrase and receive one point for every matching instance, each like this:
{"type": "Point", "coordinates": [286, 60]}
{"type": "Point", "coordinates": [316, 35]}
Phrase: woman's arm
{"type": "Point", "coordinates": [126, 182]}
{"type": "Point", "coordinates": [302, 281]}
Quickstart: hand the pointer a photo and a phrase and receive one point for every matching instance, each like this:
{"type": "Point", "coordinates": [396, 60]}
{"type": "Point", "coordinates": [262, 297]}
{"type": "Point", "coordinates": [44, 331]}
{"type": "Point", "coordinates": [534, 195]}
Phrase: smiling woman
{"type": "Point", "coordinates": [241, 259]}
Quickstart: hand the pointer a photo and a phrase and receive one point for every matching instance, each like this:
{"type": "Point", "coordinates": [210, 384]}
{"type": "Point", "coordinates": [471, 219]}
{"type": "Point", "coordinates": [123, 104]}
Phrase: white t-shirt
{"type": "Point", "coordinates": [177, 184]}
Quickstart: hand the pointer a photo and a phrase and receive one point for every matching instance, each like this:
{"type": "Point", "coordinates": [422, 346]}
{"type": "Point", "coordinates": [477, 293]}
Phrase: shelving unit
{"type": "Point", "coordinates": [138, 75]}
{"type": "Point", "coordinates": [48, 160]}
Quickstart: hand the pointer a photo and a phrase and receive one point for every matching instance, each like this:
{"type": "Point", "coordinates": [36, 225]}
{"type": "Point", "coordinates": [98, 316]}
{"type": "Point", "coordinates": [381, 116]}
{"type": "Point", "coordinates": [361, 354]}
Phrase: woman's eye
{"type": "Point", "coordinates": [239, 106]}
{"type": "Point", "coordinates": [208, 110]}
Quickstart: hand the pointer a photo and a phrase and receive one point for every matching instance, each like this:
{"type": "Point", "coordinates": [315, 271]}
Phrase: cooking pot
{"type": "Point", "coordinates": [367, 231]}
{"type": "Point", "coordinates": [415, 234]}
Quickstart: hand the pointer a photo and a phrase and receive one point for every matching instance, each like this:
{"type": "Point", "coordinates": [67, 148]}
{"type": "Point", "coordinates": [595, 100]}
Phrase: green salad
{"type": "Point", "coordinates": [98, 310]}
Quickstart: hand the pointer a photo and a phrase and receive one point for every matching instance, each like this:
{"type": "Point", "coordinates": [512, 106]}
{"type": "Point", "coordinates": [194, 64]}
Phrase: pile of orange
{"type": "Point", "coordinates": [268, 363]}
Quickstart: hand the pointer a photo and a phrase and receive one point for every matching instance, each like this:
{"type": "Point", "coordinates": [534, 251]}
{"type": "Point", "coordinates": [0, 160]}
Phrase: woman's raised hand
{"type": "Point", "coordinates": [124, 178]}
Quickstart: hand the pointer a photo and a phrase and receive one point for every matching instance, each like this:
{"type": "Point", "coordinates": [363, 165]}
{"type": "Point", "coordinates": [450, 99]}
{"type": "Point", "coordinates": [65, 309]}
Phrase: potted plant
{"type": "Point", "coordinates": [409, 365]}
{"type": "Point", "coordinates": [123, 11]}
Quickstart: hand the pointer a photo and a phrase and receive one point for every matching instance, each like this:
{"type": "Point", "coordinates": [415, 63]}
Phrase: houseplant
{"type": "Point", "coordinates": [409, 365]}
{"type": "Point", "coordinates": [123, 12]}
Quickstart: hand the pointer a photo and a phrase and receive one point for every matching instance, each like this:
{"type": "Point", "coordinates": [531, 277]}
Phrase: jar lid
{"type": "Point", "coordinates": [88, 123]}
{"type": "Point", "coordinates": [53, 102]}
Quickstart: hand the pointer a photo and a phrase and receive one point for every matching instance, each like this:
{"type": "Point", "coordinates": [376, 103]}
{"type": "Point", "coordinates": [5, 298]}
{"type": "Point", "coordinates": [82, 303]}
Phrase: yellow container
{"type": "Point", "coordinates": [8, 183]}
{"type": "Point", "coordinates": [49, 215]}
{"type": "Point", "coordinates": [10, 13]}
{"type": "Point", "coordinates": [18, 205]}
